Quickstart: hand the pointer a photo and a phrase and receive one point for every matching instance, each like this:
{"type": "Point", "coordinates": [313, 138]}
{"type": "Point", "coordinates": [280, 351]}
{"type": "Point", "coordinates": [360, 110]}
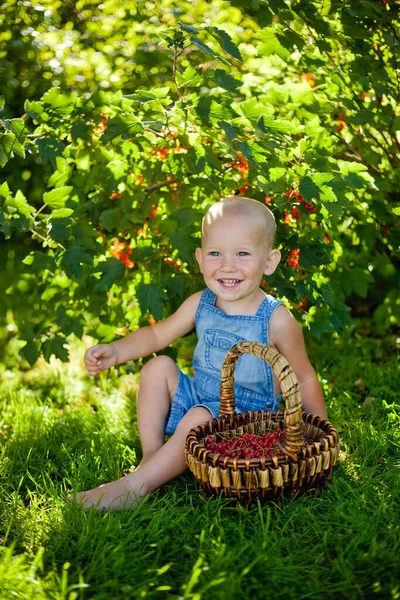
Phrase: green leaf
{"type": "Point", "coordinates": [26, 331]}
{"type": "Point", "coordinates": [269, 122]}
{"type": "Point", "coordinates": [360, 279]}
{"type": "Point", "coordinates": [328, 295]}
{"type": "Point", "coordinates": [308, 189]}
{"type": "Point", "coordinates": [18, 148]}
{"type": "Point", "coordinates": [151, 298]}
{"type": "Point", "coordinates": [40, 261]}
{"type": "Point", "coordinates": [118, 168]}
{"type": "Point", "coordinates": [396, 210]}
{"type": "Point", "coordinates": [231, 131]}
{"type": "Point", "coordinates": [270, 44]}
{"type": "Point", "coordinates": [18, 127]}
{"type": "Point", "coordinates": [301, 93]}
{"type": "Point", "coordinates": [33, 109]}
{"type": "Point", "coordinates": [277, 173]}
{"type": "Point", "coordinates": [312, 186]}
{"type": "Point", "coordinates": [6, 147]}
{"type": "Point", "coordinates": [290, 39]}
{"type": "Point", "coordinates": [346, 282]}
{"type": "Point", "coordinates": [2, 102]}
{"type": "Point", "coordinates": [189, 78]}
{"type": "Point", "coordinates": [4, 190]}
{"type": "Point", "coordinates": [206, 49]}
{"type": "Point", "coordinates": [112, 270]}
{"type": "Point", "coordinates": [81, 131]}
{"type": "Point", "coordinates": [19, 203]}
{"type": "Point", "coordinates": [252, 110]}
{"type": "Point", "coordinates": [254, 153]}
{"type": "Point", "coordinates": [211, 160]}
{"type": "Point", "coordinates": [355, 181]}
{"type": "Point", "coordinates": [175, 286]}
{"type": "Point", "coordinates": [225, 41]}
{"type": "Point", "coordinates": [59, 103]}
{"type": "Point", "coordinates": [202, 46]}
{"type": "Point", "coordinates": [326, 7]}
{"type": "Point", "coordinates": [74, 258]}
{"type": "Point", "coordinates": [183, 241]}
{"type": "Point", "coordinates": [62, 318]}
{"type": "Point", "coordinates": [125, 125]}
{"type": "Point", "coordinates": [159, 93]}
{"type": "Point", "coordinates": [83, 163]}
{"type": "Point", "coordinates": [327, 194]}
{"type": "Point", "coordinates": [105, 333]}
{"type": "Point", "coordinates": [218, 111]}
{"type": "Point", "coordinates": [57, 347]}
{"type": "Point", "coordinates": [5, 226]}
{"type": "Point", "coordinates": [59, 231]}
{"type": "Point", "coordinates": [226, 81]}
{"type": "Point", "coordinates": [110, 218]}
{"type": "Point", "coordinates": [75, 327]}
{"type": "Point", "coordinates": [187, 28]}
{"type": "Point", "coordinates": [30, 352]}
{"type": "Point", "coordinates": [320, 178]}
{"type": "Point", "coordinates": [61, 213]}
{"type": "Point", "coordinates": [203, 107]}
{"type": "Point", "coordinates": [187, 216]}
{"type": "Point", "coordinates": [49, 149]}
{"type": "Point", "coordinates": [57, 198]}
{"type": "Point", "coordinates": [314, 255]}
{"type": "Point", "coordinates": [143, 96]}
{"type": "Point", "coordinates": [331, 209]}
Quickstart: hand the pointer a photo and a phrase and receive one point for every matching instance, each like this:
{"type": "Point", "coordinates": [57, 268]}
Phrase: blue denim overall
{"type": "Point", "coordinates": [217, 332]}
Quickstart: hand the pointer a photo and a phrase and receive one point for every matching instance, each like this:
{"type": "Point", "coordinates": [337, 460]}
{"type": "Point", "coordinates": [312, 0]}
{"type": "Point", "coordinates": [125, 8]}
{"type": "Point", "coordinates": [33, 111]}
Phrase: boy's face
{"type": "Point", "coordinates": [234, 256]}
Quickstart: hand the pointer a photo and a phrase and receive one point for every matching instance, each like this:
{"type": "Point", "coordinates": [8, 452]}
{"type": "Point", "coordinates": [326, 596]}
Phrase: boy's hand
{"type": "Point", "coordinates": [100, 357]}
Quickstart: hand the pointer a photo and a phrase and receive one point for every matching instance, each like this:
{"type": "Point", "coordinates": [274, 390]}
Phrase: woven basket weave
{"type": "Point", "coordinates": [294, 470]}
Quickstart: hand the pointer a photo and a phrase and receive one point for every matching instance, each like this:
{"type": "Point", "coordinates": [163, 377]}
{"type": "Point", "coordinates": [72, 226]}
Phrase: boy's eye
{"type": "Point", "coordinates": [213, 253]}
{"type": "Point", "coordinates": [243, 253]}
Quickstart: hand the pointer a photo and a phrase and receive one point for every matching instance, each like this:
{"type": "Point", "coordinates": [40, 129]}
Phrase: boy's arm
{"type": "Point", "coordinates": [144, 341]}
{"type": "Point", "coordinates": [286, 335]}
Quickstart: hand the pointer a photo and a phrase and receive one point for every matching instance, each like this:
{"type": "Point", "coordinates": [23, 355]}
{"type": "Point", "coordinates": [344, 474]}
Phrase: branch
{"type": "Point", "coordinates": [156, 186]}
{"type": "Point", "coordinates": [174, 72]}
{"type": "Point", "coordinates": [33, 232]}
{"type": "Point", "coordinates": [393, 160]}
{"type": "Point", "coordinates": [358, 156]}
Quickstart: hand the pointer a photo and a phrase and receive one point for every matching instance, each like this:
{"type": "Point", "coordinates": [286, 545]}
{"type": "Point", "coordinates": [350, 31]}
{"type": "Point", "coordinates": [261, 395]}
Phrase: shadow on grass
{"type": "Point", "coordinates": [344, 543]}
{"type": "Point", "coordinates": [177, 542]}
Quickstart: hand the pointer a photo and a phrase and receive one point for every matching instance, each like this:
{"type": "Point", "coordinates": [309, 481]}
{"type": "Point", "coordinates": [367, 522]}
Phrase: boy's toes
{"type": "Point", "coordinates": [78, 498]}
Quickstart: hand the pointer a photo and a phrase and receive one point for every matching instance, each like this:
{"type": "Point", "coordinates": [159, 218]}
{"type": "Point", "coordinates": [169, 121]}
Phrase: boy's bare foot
{"type": "Point", "coordinates": [115, 495]}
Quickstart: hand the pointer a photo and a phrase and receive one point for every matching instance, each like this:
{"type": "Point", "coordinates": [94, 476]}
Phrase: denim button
{"type": "Point", "coordinates": [269, 404]}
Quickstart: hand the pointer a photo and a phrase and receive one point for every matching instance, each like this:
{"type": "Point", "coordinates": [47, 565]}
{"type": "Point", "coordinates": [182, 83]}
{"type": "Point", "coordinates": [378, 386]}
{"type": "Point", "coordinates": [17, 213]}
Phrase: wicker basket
{"type": "Point", "coordinates": [292, 471]}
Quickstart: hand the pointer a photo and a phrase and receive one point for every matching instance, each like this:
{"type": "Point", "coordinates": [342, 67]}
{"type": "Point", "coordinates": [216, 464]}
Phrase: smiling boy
{"type": "Point", "coordinates": [236, 251]}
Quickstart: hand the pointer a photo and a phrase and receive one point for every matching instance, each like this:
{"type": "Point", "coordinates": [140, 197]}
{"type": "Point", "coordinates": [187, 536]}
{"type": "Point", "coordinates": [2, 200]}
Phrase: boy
{"type": "Point", "coordinates": [236, 251]}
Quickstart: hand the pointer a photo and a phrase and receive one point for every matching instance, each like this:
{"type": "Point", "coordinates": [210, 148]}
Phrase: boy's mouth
{"type": "Point", "coordinates": [229, 283]}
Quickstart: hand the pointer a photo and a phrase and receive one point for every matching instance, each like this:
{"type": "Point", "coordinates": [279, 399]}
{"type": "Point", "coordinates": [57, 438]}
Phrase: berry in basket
{"type": "Point", "coordinates": [248, 445]}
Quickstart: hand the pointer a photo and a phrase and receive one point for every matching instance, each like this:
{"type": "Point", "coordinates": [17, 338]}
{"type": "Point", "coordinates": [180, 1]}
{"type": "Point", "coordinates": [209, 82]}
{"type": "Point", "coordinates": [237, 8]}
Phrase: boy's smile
{"type": "Point", "coordinates": [229, 283]}
{"type": "Point", "coordinates": [233, 258]}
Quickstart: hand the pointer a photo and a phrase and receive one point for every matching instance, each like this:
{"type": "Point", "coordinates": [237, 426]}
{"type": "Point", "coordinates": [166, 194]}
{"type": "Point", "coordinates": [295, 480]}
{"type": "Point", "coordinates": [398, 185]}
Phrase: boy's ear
{"type": "Point", "coordinates": [273, 261]}
{"type": "Point", "coordinates": [199, 257]}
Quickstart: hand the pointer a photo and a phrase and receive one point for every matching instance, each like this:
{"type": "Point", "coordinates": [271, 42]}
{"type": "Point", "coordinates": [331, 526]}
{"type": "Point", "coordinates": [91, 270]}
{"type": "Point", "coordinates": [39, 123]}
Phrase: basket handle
{"type": "Point", "coordinates": [292, 418]}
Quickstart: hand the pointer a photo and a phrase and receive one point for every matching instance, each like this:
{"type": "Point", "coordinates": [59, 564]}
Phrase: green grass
{"type": "Point", "coordinates": [60, 431]}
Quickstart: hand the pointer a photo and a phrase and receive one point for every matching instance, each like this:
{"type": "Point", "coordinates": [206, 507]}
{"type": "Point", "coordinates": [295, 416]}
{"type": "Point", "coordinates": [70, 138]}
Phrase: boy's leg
{"type": "Point", "coordinates": [158, 383]}
{"type": "Point", "coordinates": [165, 464]}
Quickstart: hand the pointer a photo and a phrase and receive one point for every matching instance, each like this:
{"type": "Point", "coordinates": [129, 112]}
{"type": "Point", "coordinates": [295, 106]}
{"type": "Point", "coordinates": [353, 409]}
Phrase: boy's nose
{"type": "Point", "coordinates": [228, 264]}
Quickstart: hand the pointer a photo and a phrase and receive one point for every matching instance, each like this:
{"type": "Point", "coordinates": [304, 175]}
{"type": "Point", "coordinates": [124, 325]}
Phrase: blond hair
{"type": "Point", "coordinates": [246, 207]}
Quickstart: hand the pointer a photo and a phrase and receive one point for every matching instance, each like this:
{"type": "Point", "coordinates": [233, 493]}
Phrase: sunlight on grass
{"type": "Point", "coordinates": [62, 431]}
